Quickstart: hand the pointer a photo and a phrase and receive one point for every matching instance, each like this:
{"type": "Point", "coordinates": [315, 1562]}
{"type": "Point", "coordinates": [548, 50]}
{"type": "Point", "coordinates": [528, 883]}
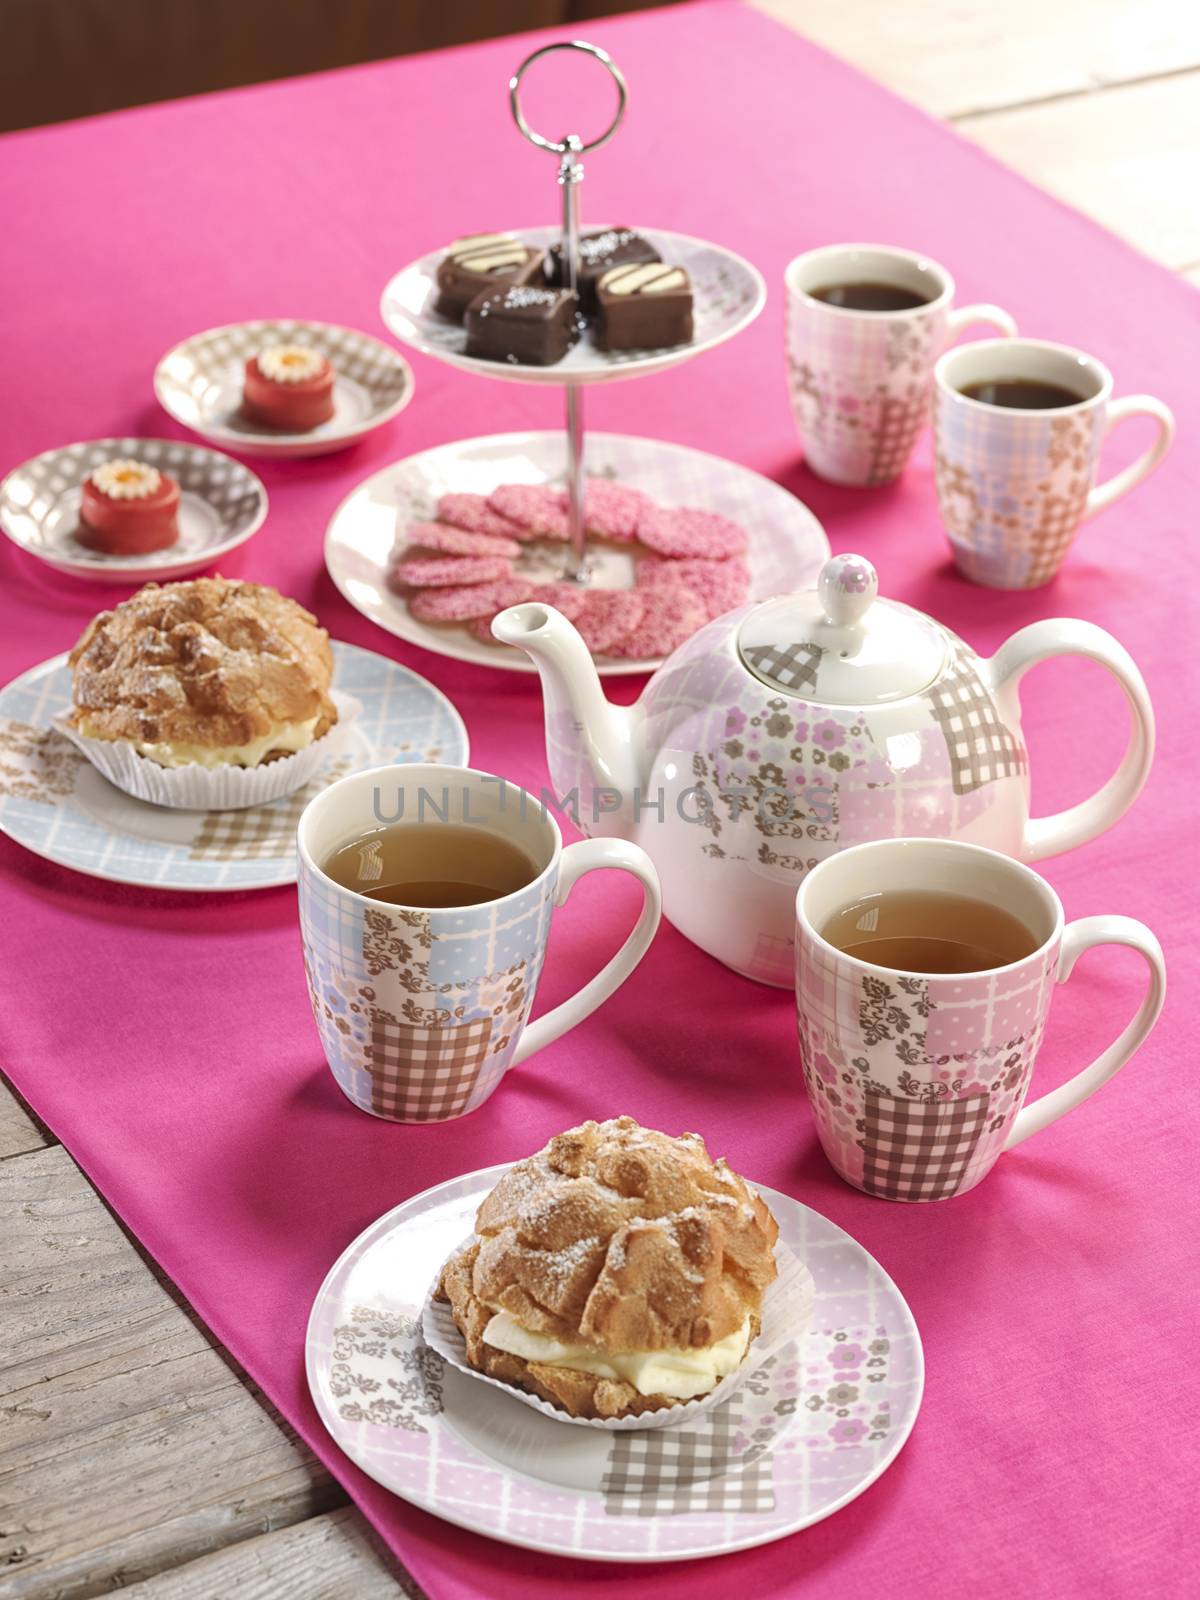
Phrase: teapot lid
{"type": "Point", "coordinates": [838, 644]}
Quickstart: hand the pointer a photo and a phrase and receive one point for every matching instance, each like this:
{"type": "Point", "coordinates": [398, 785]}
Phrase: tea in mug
{"type": "Point", "coordinates": [926, 930]}
{"type": "Point", "coordinates": [869, 296]}
{"type": "Point", "coordinates": [1022, 394]}
{"type": "Point", "coordinates": [431, 865]}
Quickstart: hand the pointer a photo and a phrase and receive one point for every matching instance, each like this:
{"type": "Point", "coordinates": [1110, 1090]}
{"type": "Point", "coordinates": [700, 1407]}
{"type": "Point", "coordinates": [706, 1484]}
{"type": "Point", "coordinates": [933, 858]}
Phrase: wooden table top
{"type": "Point", "coordinates": [135, 1454]}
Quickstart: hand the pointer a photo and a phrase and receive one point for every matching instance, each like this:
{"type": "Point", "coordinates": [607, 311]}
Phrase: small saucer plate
{"type": "Point", "coordinates": [728, 293]}
{"type": "Point", "coordinates": [787, 543]}
{"type": "Point", "coordinates": [812, 1427]}
{"type": "Point", "coordinates": [199, 383]}
{"type": "Point", "coordinates": [55, 803]}
{"type": "Point", "coordinates": [222, 503]}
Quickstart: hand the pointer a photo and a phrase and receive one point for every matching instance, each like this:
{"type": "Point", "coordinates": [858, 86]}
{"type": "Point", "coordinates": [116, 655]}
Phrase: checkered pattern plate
{"type": "Point", "coordinates": [199, 383]}
{"type": "Point", "coordinates": [57, 805]}
{"type": "Point", "coordinates": [221, 504]}
{"type": "Point", "coordinates": [787, 543]}
{"type": "Point", "coordinates": [811, 1427]}
{"type": "Point", "coordinates": [728, 294]}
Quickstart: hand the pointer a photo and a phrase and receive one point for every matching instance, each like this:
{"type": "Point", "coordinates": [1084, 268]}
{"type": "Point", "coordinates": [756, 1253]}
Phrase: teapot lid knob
{"type": "Point", "coordinates": [846, 587]}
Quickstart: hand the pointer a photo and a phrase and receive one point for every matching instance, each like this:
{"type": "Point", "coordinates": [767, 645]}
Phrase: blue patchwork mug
{"type": "Point", "coordinates": [422, 1010]}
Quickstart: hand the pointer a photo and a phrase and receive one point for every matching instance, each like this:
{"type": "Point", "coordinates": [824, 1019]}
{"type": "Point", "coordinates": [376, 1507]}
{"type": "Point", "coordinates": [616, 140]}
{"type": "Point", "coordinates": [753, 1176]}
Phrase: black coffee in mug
{"type": "Point", "coordinates": [926, 930]}
{"type": "Point", "coordinates": [431, 865]}
{"type": "Point", "coordinates": [870, 296]}
{"type": "Point", "coordinates": [1022, 394]}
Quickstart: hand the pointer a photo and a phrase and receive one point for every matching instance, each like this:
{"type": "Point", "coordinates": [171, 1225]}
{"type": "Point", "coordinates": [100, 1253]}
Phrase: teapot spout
{"type": "Point", "coordinates": [590, 747]}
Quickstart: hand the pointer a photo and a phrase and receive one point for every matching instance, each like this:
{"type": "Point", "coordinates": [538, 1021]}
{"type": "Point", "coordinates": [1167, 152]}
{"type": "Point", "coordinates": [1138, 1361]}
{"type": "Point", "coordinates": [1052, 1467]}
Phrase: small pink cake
{"type": "Point", "coordinates": [128, 509]}
{"type": "Point", "coordinates": [289, 387]}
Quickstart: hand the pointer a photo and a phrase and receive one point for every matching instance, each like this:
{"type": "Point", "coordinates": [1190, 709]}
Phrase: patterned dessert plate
{"type": "Point", "coordinates": [787, 543]}
{"type": "Point", "coordinates": [221, 505]}
{"type": "Point", "coordinates": [812, 1426]}
{"type": "Point", "coordinates": [57, 805]}
{"type": "Point", "coordinates": [199, 383]}
{"type": "Point", "coordinates": [728, 293]}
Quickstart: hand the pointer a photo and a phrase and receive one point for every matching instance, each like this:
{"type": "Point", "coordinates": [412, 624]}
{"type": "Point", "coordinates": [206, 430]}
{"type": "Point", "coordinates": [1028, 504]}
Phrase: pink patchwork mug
{"type": "Point", "coordinates": [918, 1080]}
{"type": "Point", "coordinates": [1019, 424]}
{"type": "Point", "coordinates": [860, 364]}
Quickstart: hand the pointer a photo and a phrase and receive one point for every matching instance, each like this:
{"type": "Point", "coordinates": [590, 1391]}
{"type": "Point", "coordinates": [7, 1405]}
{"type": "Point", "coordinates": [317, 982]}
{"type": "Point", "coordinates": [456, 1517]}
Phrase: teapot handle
{"type": "Point", "coordinates": [1061, 636]}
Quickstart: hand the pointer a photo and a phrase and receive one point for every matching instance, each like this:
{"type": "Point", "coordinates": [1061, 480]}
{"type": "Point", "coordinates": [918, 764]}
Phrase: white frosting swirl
{"type": "Point", "coordinates": [126, 480]}
{"type": "Point", "coordinates": [289, 363]}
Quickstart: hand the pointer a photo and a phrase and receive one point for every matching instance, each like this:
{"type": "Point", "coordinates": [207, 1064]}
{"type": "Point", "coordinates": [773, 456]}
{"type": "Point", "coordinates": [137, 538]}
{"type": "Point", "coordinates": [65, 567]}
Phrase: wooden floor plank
{"type": "Point", "coordinates": [955, 57]}
{"type": "Point", "coordinates": [1128, 157]}
{"type": "Point", "coordinates": [331, 1557]}
{"type": "Point", "coordinates": [129, 1444]}
{"type": "Point", "coordinates": [19, 1132]}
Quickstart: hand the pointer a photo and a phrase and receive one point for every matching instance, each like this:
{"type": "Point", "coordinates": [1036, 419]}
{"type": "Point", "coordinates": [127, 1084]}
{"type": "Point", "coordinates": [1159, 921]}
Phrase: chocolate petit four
{"type": "Point", "coordinates": [522, 324]}
{"type": "Point", "coordinates": [289, 387]}
{"type": "Point", "coordinates": [128, 509]}
{"type": "Point", "coordinates": [643, 307]}
{"type": "Point", "coordinates": [474, 264]}
{"type": "Point", "coordinates": [614, 247]}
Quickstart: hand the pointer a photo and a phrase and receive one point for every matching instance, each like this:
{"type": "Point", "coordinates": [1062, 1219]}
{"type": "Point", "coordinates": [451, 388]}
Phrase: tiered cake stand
{"type": "Point", "coordinates": [787, 543]}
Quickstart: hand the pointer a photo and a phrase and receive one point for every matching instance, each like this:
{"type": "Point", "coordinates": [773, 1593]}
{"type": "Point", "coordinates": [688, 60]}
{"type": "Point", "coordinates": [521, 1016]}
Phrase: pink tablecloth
{"type": "Point", "coordinates": [167, 1040]}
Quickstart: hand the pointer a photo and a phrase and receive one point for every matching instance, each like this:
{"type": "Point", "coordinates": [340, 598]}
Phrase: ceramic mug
{"type": "Point", "coordinates": [860, 380]}
{"type": "Point", "coordinates": [421, 1012]}
{"type": "Point", "coordinates": [918, 1081]}
{"type": "Point", "coordinates": [1014, 485]}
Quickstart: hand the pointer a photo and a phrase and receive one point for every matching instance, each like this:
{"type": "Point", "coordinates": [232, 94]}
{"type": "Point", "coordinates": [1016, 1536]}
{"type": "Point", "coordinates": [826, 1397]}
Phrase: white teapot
{"type": "Point", "coordinates": [787, 729]}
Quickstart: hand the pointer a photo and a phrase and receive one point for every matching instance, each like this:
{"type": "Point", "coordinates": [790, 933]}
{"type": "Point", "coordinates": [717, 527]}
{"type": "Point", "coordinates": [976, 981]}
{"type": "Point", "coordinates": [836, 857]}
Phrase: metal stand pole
{"type": "Point", "coordinates": [570, 176]}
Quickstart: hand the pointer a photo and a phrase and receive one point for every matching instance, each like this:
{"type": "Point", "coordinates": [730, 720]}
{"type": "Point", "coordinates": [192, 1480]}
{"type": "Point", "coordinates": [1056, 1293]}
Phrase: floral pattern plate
{"type": "Point", "coordinates": [56, 804]}
{"type": "Point", "coordinates": [221, 505]}
{"type": "Point", "coordinates": [728, 293]}
{"type": "Point", "coordinates": [787, 543]}
{"type": "Point", "coordinates": [199, 383]}
{"type": "Point", "coordinates": [811, 1428]}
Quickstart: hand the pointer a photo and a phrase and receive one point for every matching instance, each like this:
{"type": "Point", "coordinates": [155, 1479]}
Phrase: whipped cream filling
{"type": "Point", "coordinates": [289, 363]}
{"type": "Point", "coordinates": [126, 480]}
{"type": "Point", "coordinates": [679, 1374]}
{"type": "Point", "coordinates": [289, 736]}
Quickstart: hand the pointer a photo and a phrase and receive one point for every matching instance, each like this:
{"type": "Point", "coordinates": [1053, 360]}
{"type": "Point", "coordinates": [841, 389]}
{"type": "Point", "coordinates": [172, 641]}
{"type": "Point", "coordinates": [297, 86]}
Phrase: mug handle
{"type": "Point", "coordinates": [1078, 937]}
{"type": "Point", "coordinates": [588, 855]}
{"type": "Point", "coordinates": [1133, 405]}
{"type": "Point", "coordinates": [991, 316]}
{"type": "Point", "coordinates": [1069, 636]}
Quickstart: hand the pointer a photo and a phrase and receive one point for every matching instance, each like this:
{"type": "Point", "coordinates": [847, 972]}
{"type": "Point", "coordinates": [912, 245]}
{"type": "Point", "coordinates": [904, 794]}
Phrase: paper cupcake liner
{"type": "Point", "coordinates": [786, 1312]}
{"type": "Point", "coordinates": [196, 788]}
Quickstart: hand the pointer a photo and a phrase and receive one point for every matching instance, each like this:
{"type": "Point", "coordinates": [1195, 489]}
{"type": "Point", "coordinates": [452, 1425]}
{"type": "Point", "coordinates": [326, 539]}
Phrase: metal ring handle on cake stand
{"type": "Point", "coordinates": [570, 148]}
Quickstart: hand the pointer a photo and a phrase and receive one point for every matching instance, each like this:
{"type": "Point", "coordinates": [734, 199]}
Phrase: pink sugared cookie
{"type": "Point", "coordinates": [458, 542]}
{"type": "Point", "coordinates": [472, 600]}
{"type": "Point", "coordinates": [722, 585]}
{"type": "Point", "coordinates": [612, 510]}
{"type": "Point", "coordinates": [685, 533]}
{"type": "Point", "coordinates": [565, 597]}
{"type": "Point", "coordinates": [444, 572]}
{"type": "Point", "coordinates": [472, 512]}
{"type": "Point", "coordinates": [607, 616]}
{"type": "Point", "coordinates": [671, 615]}
{"type": "Point", "coordinates": [541, 510]}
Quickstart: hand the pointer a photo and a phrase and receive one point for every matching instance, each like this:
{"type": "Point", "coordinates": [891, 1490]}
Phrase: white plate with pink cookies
{"type": "Point", "coordinates": [813, 1425]}
{"type": "Point", "coordinates": [431, 547]}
